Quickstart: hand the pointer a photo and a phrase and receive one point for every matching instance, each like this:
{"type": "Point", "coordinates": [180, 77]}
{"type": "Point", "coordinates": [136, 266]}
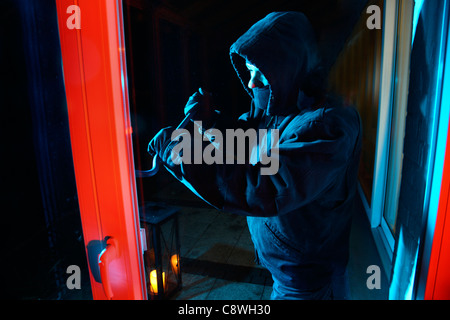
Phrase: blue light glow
{"type": "Point", "coordinates": [417, 9]}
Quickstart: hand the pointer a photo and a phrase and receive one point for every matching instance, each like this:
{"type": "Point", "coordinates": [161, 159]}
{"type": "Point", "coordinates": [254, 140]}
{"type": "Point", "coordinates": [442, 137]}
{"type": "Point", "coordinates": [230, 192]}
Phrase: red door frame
{"type": "Point", "coordinates": [438, 281]}
{"type": "Point", "coordinates": [97, 100]}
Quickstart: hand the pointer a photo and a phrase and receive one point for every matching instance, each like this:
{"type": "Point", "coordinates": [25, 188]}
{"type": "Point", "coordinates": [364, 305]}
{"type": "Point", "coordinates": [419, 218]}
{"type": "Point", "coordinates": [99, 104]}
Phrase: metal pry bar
{"type": "Point", "coordinates": [156, 160]}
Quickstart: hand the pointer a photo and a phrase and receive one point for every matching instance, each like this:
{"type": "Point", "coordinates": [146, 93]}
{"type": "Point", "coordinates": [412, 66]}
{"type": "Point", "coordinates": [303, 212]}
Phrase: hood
{"type": "Point", "coordinates": [283, 46]}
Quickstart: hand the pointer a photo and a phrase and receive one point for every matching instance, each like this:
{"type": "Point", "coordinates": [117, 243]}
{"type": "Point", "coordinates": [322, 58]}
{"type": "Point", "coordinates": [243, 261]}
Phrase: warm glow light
{"type": "Point", "coordinates": [174, 262]}
{"type": "Point", "coordinates": [154, 281]}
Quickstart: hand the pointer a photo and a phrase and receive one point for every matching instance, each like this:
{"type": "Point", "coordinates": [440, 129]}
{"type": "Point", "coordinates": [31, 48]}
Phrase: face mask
{"type": "Point", "coordinates": [261, 97]}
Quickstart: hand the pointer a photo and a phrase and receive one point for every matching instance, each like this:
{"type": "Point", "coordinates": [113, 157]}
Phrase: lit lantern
{"type": "Point", "coordinates": [161, 249]}
{"type": "Point", "coordinates": [154, 281]}
{"type": "Point", "coordinates": [174, 264]}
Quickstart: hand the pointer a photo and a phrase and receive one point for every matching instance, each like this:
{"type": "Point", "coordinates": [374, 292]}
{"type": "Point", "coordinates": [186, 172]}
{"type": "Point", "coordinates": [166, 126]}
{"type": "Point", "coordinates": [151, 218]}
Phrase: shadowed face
{"type": "Point", "coordinates": [257, 79]}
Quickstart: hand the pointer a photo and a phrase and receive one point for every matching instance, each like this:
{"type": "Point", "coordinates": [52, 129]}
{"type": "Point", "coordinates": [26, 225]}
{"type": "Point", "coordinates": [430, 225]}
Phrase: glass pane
{"type": "Point", "coordinates": [398, 121]}
{"type": "Point", "coordinates": [173, 50]}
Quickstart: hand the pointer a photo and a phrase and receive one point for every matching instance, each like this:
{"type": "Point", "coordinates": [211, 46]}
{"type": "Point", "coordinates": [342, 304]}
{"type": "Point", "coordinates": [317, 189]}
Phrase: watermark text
{"type": "Point", "coordinates": [374, 20]}
{"type": "Point", "coordinates": [74, 20]}
{"type": "Point", "coordinates": [236, 146]}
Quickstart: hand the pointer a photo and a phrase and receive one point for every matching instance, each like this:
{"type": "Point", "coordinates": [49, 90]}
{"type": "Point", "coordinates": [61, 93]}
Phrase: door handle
{"type": "Point", "coordinates": [108, 254]}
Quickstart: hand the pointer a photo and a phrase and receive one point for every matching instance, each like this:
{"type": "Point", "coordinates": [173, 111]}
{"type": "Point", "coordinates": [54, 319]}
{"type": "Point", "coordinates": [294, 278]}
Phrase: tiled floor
{"type": "Point", "coordinates": [218, 257]}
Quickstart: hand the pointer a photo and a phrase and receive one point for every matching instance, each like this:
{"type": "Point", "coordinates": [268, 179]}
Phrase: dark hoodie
{"type": "Point", "coordinates": [299, 218]}
{"type": "Point", "coordinates": [283, 47]}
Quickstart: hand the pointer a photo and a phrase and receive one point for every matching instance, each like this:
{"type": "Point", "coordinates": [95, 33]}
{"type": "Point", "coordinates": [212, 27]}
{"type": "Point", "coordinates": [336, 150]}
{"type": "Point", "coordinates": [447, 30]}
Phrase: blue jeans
{"type": "Point", "coordinates": [297, 275]}
{"type": "Point", "coordinates": [337, 289]}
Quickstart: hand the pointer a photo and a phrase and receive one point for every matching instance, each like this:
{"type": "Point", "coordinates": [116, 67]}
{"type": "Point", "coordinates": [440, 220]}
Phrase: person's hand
{"type": "Point", "coordinates": [158, 145]}
{"type": "Point", "coordinates": [200, 103]}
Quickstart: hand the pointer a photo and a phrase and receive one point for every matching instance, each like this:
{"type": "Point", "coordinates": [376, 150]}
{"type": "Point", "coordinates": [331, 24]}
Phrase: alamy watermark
{"type": "Point", "coordinates": [374, 280]}
{"type": "Point", "coordinates": [241, 147]}
{"type": "Point", "coordinates": [74, 280]}
{"type": "Point", "coordinates": [74, 20]}
{"type": "Point", "coordinates": [374, 20]}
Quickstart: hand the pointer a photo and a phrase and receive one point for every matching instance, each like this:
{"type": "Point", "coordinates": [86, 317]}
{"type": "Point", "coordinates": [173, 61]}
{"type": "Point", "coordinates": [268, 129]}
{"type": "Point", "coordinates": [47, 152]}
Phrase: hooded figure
{"type": "Point", "coordinates": [299, 217]}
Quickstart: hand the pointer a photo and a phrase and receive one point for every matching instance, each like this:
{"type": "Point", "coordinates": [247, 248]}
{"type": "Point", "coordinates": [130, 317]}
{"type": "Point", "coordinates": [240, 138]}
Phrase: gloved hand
{"type": "Point", "coordinates": [201, 103]}
{"type": "Point", "coordinates": [158, 146]}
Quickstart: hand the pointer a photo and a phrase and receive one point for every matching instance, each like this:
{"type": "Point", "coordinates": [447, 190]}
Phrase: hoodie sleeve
{"type": "Point", "coordinates": [312, 160]}
{"type": "Point", "coordinates": [313, 156]}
